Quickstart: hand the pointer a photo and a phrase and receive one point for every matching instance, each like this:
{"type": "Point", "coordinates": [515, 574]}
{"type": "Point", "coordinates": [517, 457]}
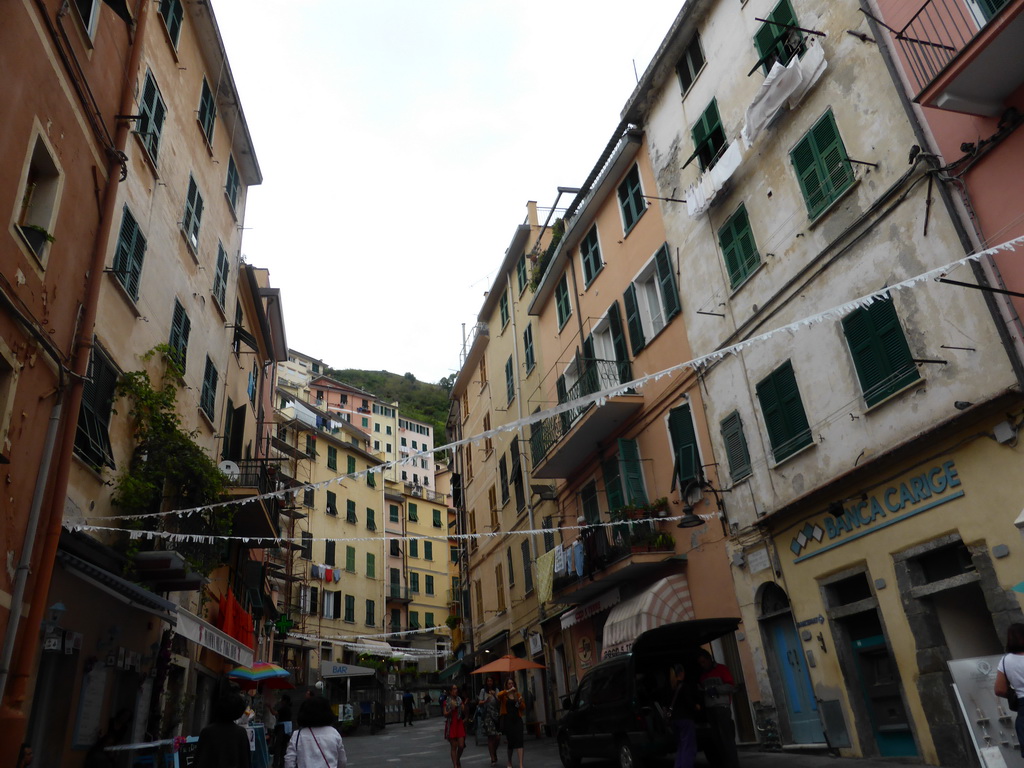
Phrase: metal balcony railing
{"type": "Point", "coordinates": [597, 375]}
{"type": "Point", "coordinates": [398, 592]}
{"type": "Point", "coordinates": [938, 32]}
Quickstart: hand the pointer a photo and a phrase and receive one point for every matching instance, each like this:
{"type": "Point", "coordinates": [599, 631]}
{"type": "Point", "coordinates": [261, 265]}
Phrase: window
{"type": "Point", "coordinates": [778, 40]}
{"type": "Point", "coordinates": [208, 398]}
{"type": "Point", "coordinates": [220, 277]}
{"type": "Point", "coordinates": [403, 442]}
{"type": "Point", "coordinates": [879, 349]}
{"type": "Point", "coordinates": [503, 478]}
{"type": "Point", "coordinates": [92, 439]}
{"type": "Point", "coordinates": [306, 548]}
{"type": "Point", "coordinates": [332, 457]}
{"type": "Point", "coordinates": [437, 518]}
{"type": "Point", "coordinates": [171, 11]}
{"type": "Point", "coordinates": [387, 431]}
{"type": "Point", "coordinates": [128, 256]}
{"type": "Point", "coordinates": [207, 111]}
{"type": "Point", "coordinates": [736, 452]}
{"type": "Point", "coordinates": [371, 565]}
{"type": "Point", "coordinates": [414, 547]}
{"type": "Point", "coordinates": [371, 479]}
{"type": "Point", "coordinates": [684, 446]}
{"type": "Point", "coordinates": [590, 256]}
{"type": "Point", "coordinates": [371, 611]}
{"type": "Point", "coordinates": [415, 446]}
{"type": "Point", "coordinates": [39, 198]}
{"type": "Point", "coordinates": [821, 165]}
{"type": "Point", "coordinates": [492, 499]}
{"type": "Point", "coordinates": [562, 306]}
{"type": "Point", "coordinates": [651, 300]}
{"type": "Point", "coordinates": [511, 570]}
{"type": "Point", "coordinates": [193, 214]}
{"type": "Point", "coordinates": [428, 620]}
{"type": "Point", "coordinates": [365, 422]}
{"type": "Point", "coordinates": [396, 550]}
{"type": "Point", "coordinates": [783, 411]}
{"type": "Point", "coordinates": [488, 442]}
{"type": "Point", "coordinates": [499, 582]}
{"type": "Point", "coordinates": [308, 497]}
{"type": "Point", "coordinates": [528, 357]}
{"type": "Point", "coordinates": [631, 199]}
{"type": "Point", "coordinates": [350, 511]}
{"type": "Point", "coordinates": [690, 64]}
{"type": "Point", "coordinates": [393, 513]}
{"type": "Point", "coordinates": [414, 582]}
{"type": "Point", "coordinates": [428, 550]}
{"type": "Point", "coordinates": [351, 465]}
{"type": "Point", "coordinates": [308, 597]}
{"type": "Point", "coordinates": [516, 472]}
{"type": "Point", "coordinates": [738, 247]}
{"type": "Point", "coordinates": [371, 520]}
{"type": "Point", "coordinates": [181, 326]}
{"type": "Point", "coordinates": [510, 379]}
{"type": "Point", "coordinates": [708, 138]}
{"type": "Point", "coordinates": [376, 445]}
{"type": "Point", "coordinates": [329, 550]}
{"type": "Point", "coordinates": [527, 567]}
{"type": "Point", "coordinates": [350, 609]}
{"type": "Point", "coordinates": [332, 606]}
{"type": "Point", "coordinates": [350, 559]}
{"type": "Point", "coordinates": [503, 308]}
{"type": "Point", "coordinates": [413, 513]}
{"type": "Point", "coordinates": [152, 111]}
{"type": "Point", "coordinates": [310, 445]}
{"type": "Point", "coordinates": [88, 10]}
{"type": "Point", "coordinates": [521, 279]}
{"type": "Point", "coordinates": [414, 619]}
{"type": "Point", "coordinates": [549, 538]}
{"type": "Point", "coordinates": [428, 584]}
{"type": "Point", "coordinates": [232, 184]}
{"type": "Point", "coordinates": [478, 598]}
{"type": "Point", "coordinates": [332, 503]}
{"type": "Point", "coordinates": [623, 476]}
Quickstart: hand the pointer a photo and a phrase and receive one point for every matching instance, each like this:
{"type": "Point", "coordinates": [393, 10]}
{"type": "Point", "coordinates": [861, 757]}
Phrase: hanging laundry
{"type": "Point", "coordinates": [559, 560]}
{"type": "Point", "coordinates": [337, 576]}
{"type": "Point", "coordinates": [328, 574]}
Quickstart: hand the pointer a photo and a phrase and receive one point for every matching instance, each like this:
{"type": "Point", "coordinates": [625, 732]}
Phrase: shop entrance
{"type": "Point", "coordinates": [799, 720]}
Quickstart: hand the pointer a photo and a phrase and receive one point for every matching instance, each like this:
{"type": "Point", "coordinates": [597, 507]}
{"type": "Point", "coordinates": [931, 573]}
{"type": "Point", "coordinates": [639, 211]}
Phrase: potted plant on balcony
{"type": "Point", "coordinates": [662, 542]}
{"type": "Point", "coordinates": [658, 506]}
{"type": "Point", "coordinates": [36, 237]}
{"type": "Point", "coordinates": [453, 621]}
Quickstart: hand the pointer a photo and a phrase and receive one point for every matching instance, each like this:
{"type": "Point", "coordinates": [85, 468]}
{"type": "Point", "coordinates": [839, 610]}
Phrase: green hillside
{"type": "Point", "coordinates": [416, 399]}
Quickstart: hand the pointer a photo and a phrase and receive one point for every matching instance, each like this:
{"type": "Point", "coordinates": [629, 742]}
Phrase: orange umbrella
{"type": "Point", "coordinates": [507, 664]}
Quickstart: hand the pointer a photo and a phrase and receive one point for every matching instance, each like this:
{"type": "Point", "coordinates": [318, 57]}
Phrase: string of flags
{"type": "Point", "coordinates": [599, 398]}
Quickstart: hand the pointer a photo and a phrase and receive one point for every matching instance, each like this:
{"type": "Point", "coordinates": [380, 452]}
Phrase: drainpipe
{"type": "Point", "coordinates": [13, 717]}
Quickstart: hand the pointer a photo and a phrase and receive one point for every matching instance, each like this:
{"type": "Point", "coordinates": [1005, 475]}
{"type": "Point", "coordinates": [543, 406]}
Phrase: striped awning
{"type": "Point", "coordinates": [664, 602]}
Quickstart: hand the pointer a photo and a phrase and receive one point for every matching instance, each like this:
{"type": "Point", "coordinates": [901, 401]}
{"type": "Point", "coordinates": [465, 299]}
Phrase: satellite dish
{"type": "Point", "coordinates": [230, 470]}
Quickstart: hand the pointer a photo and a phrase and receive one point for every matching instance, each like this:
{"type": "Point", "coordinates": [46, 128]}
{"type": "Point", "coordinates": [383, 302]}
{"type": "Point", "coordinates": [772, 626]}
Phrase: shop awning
{"type": "Point", "coordinates": [122, 589]}
{"type": "Point", "coordinates": [205, 634]}
{"type": "Point", "coordinates": [594, 607]}
{"type": "Point", "coordinates": [450, 671]}
{"type": "Point", "coordinates": [374, 647]}
{"type": "Point", "coordinates": [664, 602]}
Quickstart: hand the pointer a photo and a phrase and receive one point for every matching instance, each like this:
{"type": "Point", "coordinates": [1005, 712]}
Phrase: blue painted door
{"type": "Point", "coordinates": [788, 657]}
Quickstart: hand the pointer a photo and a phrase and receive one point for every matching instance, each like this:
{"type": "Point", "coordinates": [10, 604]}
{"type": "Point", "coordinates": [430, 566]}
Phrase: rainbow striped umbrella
{"type": "Point", "coordinates": [260, 672]}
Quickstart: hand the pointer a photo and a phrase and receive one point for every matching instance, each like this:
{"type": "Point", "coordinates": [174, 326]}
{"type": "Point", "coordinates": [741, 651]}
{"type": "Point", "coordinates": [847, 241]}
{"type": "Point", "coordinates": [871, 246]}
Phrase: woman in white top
{"type": "Point", "coordinates": [316, 743]}
{"type": "Point", "coordinates": [1011, 674]}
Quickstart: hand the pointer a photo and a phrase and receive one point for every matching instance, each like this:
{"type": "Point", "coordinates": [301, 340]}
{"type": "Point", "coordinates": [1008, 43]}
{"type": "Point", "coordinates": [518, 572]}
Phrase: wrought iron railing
{"type": "Point", "coordinates": [597, 375]}
{"type": "Point", "coordinates": [938, 32]}
{"type": "Point", "coordinates": [398, 592]}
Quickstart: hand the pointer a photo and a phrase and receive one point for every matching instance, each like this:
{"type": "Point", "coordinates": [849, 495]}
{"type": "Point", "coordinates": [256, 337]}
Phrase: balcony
{"type": "Point", "coordinates": [254, 477]}
{"type": "Point", "coordinates": [965, 56]}
{"type": "Point", "coordinates": [560, 444]}
{"type": "Point", "coordinates": [414, 489]}
{"type": "Point", "coordinates": [613, 555]}
{"type": "Point", "coordinates": [396, 593]}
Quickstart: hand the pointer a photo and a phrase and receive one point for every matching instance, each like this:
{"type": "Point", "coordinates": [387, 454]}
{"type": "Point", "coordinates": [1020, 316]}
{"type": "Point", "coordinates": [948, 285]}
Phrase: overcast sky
{"type": "Point", "coordinates": [400, 141]}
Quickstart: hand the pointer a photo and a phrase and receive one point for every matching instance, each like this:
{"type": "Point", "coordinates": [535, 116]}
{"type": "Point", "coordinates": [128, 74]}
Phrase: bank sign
{"type": "Point", "coordinates": [861, 517]}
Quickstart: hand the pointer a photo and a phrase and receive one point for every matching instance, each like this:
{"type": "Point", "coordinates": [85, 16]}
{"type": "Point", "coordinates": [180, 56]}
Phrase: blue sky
{"type": "Point", "coordinates": [400, 141]}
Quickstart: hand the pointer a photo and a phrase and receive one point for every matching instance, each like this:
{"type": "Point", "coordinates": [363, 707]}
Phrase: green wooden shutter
{"type": "Point", "coordinates": [351, 465]}
{"type": "Point", "coordinates": [990, 8]}
{"type": "Point", "coordinates": [784, 416]}
{"type": "Point", "coordinates": [207, 111]}
{"type": "Point", "coordinates": [208, 399]}
{"type": "Point", "coordinates": [821, 166]}
{"type": "Point", "coordinates": [736, 451]}
{"type": "Point", "coordinates": [131, 249]}
{"type": "Point", "coordinates": [633, 322]}
{"type": "Point", "coordinates": [332, 503]}
{"type": "Point", "coordinates": [667, 283]}
{"type": "Point", "coordinates": [612, 483]}
{"type": "Point", "coordinates": [588, 348]}
{"type": "Point", "coordinates": [350, 558]}
{"type": "Point", "coordinates": [879, 350]}
{"type": "Point", "coordinates": [684, 444]}
{"type": "Point", "coordinates": [564, 417]}
{"type": "Point", "coordinates": [808, 174]}
{"type": "Point", "coordinates": [619, 343]}
{"type": "Point", "coordinates": [350, 511]}
{"type": "Point", "coordinates": [181, 326]}
{"type": "Point", "coordinates": [629, 454]}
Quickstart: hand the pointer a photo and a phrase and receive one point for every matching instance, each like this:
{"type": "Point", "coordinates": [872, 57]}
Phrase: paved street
{"type": "Point", "coordinates": [423, 746]}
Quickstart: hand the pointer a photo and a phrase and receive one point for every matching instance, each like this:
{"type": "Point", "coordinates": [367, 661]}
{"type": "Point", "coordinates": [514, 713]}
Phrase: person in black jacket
{"type": "Point", "coordinates": [224, 743]}
{"type": "Point", "coordinates": [682, 710]}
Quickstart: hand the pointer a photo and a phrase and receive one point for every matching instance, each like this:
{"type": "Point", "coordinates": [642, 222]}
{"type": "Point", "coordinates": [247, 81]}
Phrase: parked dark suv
{"type": "Point", "coordinates": [618, 708]}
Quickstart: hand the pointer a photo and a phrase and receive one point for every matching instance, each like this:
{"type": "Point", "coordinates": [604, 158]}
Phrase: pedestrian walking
{"type": "Point", "coordinates": [512, 706]}
{"type": "Point", "coordinates": [426, 704]}
{"type": "Point", "coordinates": [224, 743]}
{"type": "Point", "coordinates": [1010, 676]}
{"type": "Point", "coordinates": [717, 683]}
{"type": "Point", "coordinates": [455, 725]}
{"type": "Point", "coordinates": [283, 729]}
{"type": "Point", "coordinates": [315, 743]}
{"type": "Point", "coordinates": [489, 716]}
{"type": "Point", "coordinates": [682, 710]}
{"type": "Point", "coordinates": [408, 703]}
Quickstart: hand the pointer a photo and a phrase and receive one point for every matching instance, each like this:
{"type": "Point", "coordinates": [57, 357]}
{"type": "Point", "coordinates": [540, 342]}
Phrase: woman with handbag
{"type": "Point", "coordinates": [455, 725]}
{"type": "Point", "coordinates": [488, 717]}
{"type": "Point", "coordinates": [1010, 676]}
{"type": "Point", "coordinates": [512, 707]}
{"type": "Point", "coordinates": [316, 743]}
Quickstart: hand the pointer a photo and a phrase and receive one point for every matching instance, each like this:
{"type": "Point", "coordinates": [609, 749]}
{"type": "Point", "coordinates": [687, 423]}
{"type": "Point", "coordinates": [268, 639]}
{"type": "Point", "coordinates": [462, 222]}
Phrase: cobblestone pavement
{"type": "Point", "coordinates": [423, 746]}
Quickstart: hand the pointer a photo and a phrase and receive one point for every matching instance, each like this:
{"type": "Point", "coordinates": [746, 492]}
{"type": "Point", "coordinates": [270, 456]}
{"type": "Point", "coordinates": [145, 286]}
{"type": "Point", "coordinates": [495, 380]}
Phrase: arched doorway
{"type": "Point", "coordinates": [799, 721]}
